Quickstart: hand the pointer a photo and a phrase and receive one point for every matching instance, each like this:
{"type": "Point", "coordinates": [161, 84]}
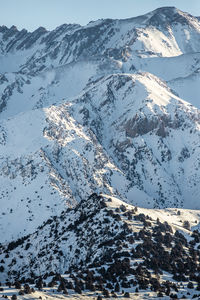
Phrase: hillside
{"type": "Point", "coordinates": [99, 159]}
{"type": "Point", "coordinates": [107, 247]}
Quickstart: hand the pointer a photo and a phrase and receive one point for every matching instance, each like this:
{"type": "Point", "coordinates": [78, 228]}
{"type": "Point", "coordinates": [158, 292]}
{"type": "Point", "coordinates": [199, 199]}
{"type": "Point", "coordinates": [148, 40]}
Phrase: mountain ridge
{"type": "Point", "coordinates": [99, 159]}
{"type": "Point", "coordinates": [107, 247]}
{"type": "Point", "coordinates": [99, 108]}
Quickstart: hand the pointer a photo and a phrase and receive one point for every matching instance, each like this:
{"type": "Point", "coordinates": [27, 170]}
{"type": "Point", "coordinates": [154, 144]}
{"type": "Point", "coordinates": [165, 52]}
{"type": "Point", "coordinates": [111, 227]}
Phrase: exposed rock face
{"type": "Point", "coordinates": [98, 108]}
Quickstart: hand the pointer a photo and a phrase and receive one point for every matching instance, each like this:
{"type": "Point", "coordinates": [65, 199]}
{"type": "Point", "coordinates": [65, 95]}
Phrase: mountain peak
{"type": "Point", "coordinates": [41, 29]}
{"type": "Point", "coordinates": [169, 15]}
{"type": "Point", "coordinates": [166, 9]}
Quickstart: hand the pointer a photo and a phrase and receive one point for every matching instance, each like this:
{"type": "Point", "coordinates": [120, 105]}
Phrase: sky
{"type": "Point", "coordinates": [31, 14]}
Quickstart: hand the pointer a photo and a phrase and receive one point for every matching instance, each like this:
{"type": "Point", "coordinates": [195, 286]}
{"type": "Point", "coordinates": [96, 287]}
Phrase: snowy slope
{"type": "Point", "coordinates": [153, 136]}
{"type": "Point", "coordinates": [47, 162]}
{"type": "Point", "coordinates": [188, 87]}
{"type": "Point", "coordinates": [68, 148]}
{"type": "Point", "coordinates": [104, 245]}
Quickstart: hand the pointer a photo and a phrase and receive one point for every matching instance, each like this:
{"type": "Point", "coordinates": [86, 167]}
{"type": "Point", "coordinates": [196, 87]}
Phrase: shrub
{"type": "Point", "coordinates": [186, 225]}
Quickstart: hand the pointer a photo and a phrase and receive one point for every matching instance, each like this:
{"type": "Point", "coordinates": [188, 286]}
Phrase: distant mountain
{"type": "Point", "coordinates": [109, 107]}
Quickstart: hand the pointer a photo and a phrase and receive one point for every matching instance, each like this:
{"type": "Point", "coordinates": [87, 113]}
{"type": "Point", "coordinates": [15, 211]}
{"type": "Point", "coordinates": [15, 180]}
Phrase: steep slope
{"type": "Point", "coordinates": [188, 87]}
{"type": "Point", "coordinates": [165, 32]}
{"type": "Point", "coordinates": [153, 136]}
{"type": "Point", "coordinates": [22, 93]}
{"type": "Point", "coordinates": [106, 246]}
{"type": "Point", "coordinates": [183, 79]}
{"type": "Point", "coordinates": [68, 151]}
{"type": "Point", "coordinates": [48, 162]}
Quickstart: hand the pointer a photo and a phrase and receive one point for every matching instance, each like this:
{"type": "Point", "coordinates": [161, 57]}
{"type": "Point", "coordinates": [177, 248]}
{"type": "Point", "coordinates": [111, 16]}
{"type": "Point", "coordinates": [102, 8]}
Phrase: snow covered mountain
{"type": "Point", "coordinates": [109, 107]}
{"type": "Point", "coordinates": [107, 247]}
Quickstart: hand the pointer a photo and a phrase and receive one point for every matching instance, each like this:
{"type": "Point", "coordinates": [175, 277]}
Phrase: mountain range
{"type": "Point", "coordinates": [111, 108]}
